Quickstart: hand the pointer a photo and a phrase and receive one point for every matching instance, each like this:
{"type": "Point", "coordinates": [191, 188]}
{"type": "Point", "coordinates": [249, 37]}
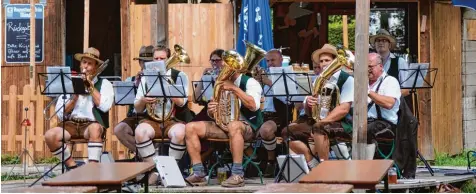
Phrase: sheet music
{"type": "Point", "coordinates": [124, 92]}
{"type": "Point", "coordinates": [208, 93]}
{"type": "Point", "coordinates": [278, 80]}
{"type": "Point", "coordinates": [306, 85]}
{"type": "Point", "coordinates": [412, 75]}
{"type": "Point", "coordinates": [156, 66]}
{"type": "Point", "coordinates": [154, 88]}
{"type": "Point", "coordinates": [176, 90]}
{"type": "Point", "coordinates": [54, 80]}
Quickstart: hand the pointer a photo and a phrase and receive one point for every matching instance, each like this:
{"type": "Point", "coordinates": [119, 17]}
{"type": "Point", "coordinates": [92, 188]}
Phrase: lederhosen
{"type": "Point", "coordinates": [133, 118]}
{"type": "Point", "coordinates": [77, 126]}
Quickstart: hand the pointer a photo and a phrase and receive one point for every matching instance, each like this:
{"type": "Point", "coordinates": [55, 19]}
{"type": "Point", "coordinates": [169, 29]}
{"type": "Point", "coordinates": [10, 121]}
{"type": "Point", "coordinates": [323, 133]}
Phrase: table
{"type": "Point", "coordinates": [362, 174]}
{"type": "Point", "coordinates": [46, 189]}
{"type": "Point", "coordinates": [306, 188]}
{"type": "Point", "coordinates": [103, 175]}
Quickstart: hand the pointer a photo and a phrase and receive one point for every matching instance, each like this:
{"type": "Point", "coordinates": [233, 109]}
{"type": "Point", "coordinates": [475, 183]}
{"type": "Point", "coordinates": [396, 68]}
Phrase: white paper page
{"type": "Point", "coordinates": [55, 86]}
{"type": "Point", "coordinates": [306, 85]}
{"type": "Point", "coordinates": [154, 87]}
{"type": "Point", "coordinates": [123, 92]}
{"type": "Point", "coordinates": [178, 91]}
{"type": "Point", "coordinates": [155, 65]}
{"type": "Point", "coordinates": [278, 80]}
{"type": "Point", "coordinates": [412, 74]}
{"type": "Point", "coordinates": [207, 95]}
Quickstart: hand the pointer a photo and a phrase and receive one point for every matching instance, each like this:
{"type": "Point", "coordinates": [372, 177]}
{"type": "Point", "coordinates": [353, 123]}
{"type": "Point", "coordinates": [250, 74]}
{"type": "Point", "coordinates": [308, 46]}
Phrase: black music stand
{"type": "Point", "coordinates": [206, 85]}
{"type": "Point", "coordinates": [285, 77]}
{"type": "Point", "coordinates": [69, 85]}
{"type": "Point", "coordinates": [416, 80]}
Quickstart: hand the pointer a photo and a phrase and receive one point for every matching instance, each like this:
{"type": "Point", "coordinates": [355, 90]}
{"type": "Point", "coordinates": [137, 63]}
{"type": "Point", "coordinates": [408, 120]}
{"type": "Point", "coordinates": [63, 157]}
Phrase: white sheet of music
{"type": "Point", "coordinates": [123, 92]}
{"type": "Point", "coordinates": [155, 65]}
{"type": "Point", "coordinates": [208, 92]}
{"type": "Point", "coordinates": [55, 85]}
{"type": "Point", "coordinates": [154, 87]}
{"type": "Point", "coordinates": [304, 86]}
{"type": "Point", "coordinates": [412, 75]}
{"type": "Point", "coordinates": [278, 80]}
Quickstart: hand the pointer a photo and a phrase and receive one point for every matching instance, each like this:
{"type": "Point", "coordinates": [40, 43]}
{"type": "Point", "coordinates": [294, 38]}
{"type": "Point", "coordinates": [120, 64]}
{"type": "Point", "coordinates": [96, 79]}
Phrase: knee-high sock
{"type": "Point", "coordinates": [146, 149]}
{"type": "Point", "coordinates": [58, 153]}
{"type": "Point", "coordinates": [94, 151]}
{"type": "Point", "coordinates": [270, 145]}
{"type": "Point", "coordinates": [370, 151]}
{"type": "Point", "coordinates": [176, 150]}
{"type": "Point", "coordinates": [341, 148]}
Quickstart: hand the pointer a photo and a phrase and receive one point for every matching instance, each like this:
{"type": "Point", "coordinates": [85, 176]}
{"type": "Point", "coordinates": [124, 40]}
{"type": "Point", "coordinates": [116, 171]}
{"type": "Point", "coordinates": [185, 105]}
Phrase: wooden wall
{"type": "Point", "coordinates": [446, 95]}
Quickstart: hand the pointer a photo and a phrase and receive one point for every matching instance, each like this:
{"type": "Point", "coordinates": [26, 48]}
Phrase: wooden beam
{"type": "Point", "coordinates": [32, 44]}
{"type": "Point", "coordinates": [86, 25]}
{"type": "Point", "coordinates": [345, 34]}
{"type": "Point", "coordinates": [339, 1]}
{"type": "Point", "coordinates": [162, 22]}
{"type": "Point", "coordinates": [361, 82]}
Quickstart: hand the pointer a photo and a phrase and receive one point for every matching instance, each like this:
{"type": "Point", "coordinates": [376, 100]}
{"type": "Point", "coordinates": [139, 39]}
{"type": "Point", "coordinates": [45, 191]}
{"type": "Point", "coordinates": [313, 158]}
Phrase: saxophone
{"type": "Point", "coordinates": [234, 63]}
{"type": "Point", "coordinates": [159, 111]}
{"type": "Point", "coordinates": [327, 92]}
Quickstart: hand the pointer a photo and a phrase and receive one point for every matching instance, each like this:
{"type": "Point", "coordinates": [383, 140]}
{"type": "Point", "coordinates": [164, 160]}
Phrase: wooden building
{"type": "Point", "coordinates": [119, 28]}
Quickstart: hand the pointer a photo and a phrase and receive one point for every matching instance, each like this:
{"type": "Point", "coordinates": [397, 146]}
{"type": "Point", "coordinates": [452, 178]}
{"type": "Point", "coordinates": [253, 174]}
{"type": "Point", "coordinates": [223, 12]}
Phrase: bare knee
{"type": "Point", "coordinates": [142, 132]}
{"type": "Point", "coordinates": [95, 131]}
{"type": "Point", "coordinates": [190, 128]}
{"type": "Point", "coordinates": [53, 135]}
{"type": "Point", "coordinates": [121, 128]}
{"type": "Point", "coordinates": [235, 128]}
{"type": "Point", "coordinates": [177, 132]}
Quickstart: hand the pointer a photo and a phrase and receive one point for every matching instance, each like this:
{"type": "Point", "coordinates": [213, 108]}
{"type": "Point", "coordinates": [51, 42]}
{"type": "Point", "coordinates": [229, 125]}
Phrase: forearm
{"type": "Point", "coordinates": [336, 115]}
{"type": "Point", "coordinates": [70, 106]}
{"type": "Point", "coordinates": [382, 101]}
{"type": "Point", "coordinates": [246, 100]}
{"type": "Point", "coordinates": [139, 106]}
{"type": "Point", "coordinates": [405, 92]}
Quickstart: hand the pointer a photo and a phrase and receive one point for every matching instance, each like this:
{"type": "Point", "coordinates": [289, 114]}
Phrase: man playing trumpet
{"type": "Point", "coordinates": [87, 114]}
{"type": "Point", "coordinates": [248, 91]}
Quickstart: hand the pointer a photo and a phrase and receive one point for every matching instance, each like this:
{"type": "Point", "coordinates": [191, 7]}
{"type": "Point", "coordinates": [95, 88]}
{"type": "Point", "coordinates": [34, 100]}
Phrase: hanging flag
{"type": "Point", "coordinates": [255, 26]}
{"type": "Point", "coordinates": [465, 3]}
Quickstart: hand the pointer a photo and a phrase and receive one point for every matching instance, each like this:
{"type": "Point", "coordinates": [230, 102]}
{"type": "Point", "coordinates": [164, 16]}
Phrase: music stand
{"type": "Point", "coordinates": [207, 90]}
{"type": "Point", "coordinates": [60, 82]}
{"type": "Point", "coordinates": [283, 80]}
{"type": "Point", "coordinates": [415, 79]}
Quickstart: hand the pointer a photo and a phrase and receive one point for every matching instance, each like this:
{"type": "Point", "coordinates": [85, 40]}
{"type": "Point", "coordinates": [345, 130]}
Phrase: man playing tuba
{"type": "Point", "coordinates": [87, 114]}
{"type": "Point", "coordinates": [334, 120]}
{"type": "Point", "coordinates": [148, 128]}
{"type": "Point", "coordinates": [248, 91]}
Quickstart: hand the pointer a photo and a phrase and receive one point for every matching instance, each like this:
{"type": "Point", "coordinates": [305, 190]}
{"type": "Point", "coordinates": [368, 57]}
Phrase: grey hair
{"type": "Point", "coordinates": [376, 57]}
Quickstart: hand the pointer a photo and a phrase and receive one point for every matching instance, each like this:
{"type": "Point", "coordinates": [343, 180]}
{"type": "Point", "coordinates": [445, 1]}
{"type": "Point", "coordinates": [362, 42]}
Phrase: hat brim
{"type": "Point", "coordinates": [392, 40]}
{"type": "Point", "coordinates": [315, 55]}
{"type": "Point", "coordinates": [79, 57]}
{"type": "Point", "coordinates": [144, 58]}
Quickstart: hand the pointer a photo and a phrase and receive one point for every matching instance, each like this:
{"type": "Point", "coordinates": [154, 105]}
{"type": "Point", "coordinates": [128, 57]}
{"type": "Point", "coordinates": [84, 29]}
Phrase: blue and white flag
{"type": "Point", "coordinates": [465, 3]}
{"type": "Point", "coordinates": [255, 26]}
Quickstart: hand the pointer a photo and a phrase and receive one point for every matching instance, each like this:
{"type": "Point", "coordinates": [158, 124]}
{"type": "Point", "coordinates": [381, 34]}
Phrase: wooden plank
{"type": "Point", "coordinates": [12, 118]}
{"type": "Point", "coordinates": [345, 35]}
{"type": "Point", "coordinates": [446, 93]}
{"type": "Point", "coordinates": [163, 22]}
{"type": "Point", "coordinates": [40, 121]}
{"type": "Point", "coordinates": [471, 29]}
{"type": "Point", "coordinates": [86, 25]}
{"type": "Point", "coordinates": [32, 43]}
{"type": "Point", "coordinates": [425, 143]}
{"type": "Point", "coordinates": [126, 41]}
{"type": "Point", "coordinates": [359, 140]}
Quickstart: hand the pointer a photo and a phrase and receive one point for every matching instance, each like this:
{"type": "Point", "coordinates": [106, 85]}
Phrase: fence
{"type": "Point", "coordinates": [13, 134]}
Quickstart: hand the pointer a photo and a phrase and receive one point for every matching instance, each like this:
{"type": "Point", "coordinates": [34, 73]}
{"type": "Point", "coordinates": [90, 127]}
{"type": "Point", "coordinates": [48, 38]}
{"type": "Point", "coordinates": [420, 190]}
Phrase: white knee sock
{"type": "Point", "coordinates": [176, 150]}
{"type": "Point", "coordinates": [94, 151]}
{"type": "Point", "coordinates": [341, 148]}
{"type": "Point", "coordinates": [313, 163]}
{"type": "Point", "coordinates": [270, 145]}
{"type": "Point", "coordinates": [370, 151]}
{"type": "Point", "coordinates": [58, 153]}
{"type": "Point", "coordinates": [146, 149]}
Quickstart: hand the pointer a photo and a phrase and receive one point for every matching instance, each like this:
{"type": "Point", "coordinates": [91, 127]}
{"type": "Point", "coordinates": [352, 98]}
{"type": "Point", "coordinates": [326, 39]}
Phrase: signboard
{"type": "Point", "coordinates": [17, 33]}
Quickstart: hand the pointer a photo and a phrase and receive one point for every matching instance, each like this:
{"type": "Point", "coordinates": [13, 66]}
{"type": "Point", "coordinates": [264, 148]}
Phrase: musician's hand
{"type": "Point", "coordinates": [207, 70]}
{"type": "Point", "coordinates": [212, 106]}
{"type": "Point", "coordinates": [228, 85]}
{"type": "Point", "coordinates": [311, 101]}
{"type": "Point", "coordinates": [148, 100]}
{"type": "Point", "coordinates": [266, 81]}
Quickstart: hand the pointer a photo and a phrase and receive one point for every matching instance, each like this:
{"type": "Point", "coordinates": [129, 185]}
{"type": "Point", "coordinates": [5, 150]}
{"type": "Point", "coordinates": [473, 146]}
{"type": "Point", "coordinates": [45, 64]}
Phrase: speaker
{"type": "Point", "coordinates": [169, 172]}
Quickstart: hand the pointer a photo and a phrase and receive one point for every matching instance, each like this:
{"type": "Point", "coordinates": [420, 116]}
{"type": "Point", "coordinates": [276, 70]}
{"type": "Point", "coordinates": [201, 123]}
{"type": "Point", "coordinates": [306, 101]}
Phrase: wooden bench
{"type": "Point", "coordinates": [103, 175]}
{"type": "Point", "coordinates": [47, 189]}
{"type": "Point", "coordinates": [305, 188]}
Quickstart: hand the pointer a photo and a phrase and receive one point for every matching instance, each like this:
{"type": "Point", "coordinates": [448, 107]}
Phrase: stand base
{"type": "Point", "coordinates": [287, 163]}
{"type": "Point", "coordinates": [426, 163]}
{"type": "Point", "coordinates": [23, 155]}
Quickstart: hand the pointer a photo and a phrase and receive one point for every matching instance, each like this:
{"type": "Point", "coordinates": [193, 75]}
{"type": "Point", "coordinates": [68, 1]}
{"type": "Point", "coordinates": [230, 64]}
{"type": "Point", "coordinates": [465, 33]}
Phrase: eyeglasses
{"type": "Point", "coordinates": [371, 67]}
{"type": "Point", "coordinates": [215, 60]}
{"type": "Point", "coordinates": [382, 40]}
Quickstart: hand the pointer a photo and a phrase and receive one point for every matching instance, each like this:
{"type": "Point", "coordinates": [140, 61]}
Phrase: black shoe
{"type": "Point", "coordinates": [270, 170]}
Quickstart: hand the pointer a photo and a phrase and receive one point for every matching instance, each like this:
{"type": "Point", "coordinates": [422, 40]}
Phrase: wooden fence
{"type": "Point", "coordinates": [13, 134]}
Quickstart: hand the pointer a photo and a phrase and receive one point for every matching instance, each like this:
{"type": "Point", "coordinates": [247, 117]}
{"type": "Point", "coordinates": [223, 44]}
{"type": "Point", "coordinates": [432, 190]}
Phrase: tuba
{"type": "Point", "coordinates": [162, 109]}
{"type": "Point", "coordinates": [234, 63]}
{"type": "Point", "coordinates": [327, 92]}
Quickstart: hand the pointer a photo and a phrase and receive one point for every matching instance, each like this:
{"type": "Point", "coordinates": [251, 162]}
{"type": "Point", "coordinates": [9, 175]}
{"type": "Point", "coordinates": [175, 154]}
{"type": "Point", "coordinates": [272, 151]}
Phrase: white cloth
{"type": "Point", "coordinates": [402, 64]}
{"type": "Point", "coordinates": [182, 79]}
{"type": "Point", "coordinates": [389, 87]}
{"type": "Point", "coordinates": [84, 105]}
{"type": "Point", "coordinates": [253, 88]}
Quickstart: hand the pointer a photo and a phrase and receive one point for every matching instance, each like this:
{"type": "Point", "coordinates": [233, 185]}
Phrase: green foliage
{"type": "Point", "coordinates": [444, 159]}
{"type": "Point", "coordinates": [9, 159]}
{"type": "Point", "coordinates": [469, 187]}
{"type": "Point", "coordinates": [335, 34]}
{"type": "Point", "coordinates": [18, 177]}
{"type": "Point", "coordinates": [50, 160]}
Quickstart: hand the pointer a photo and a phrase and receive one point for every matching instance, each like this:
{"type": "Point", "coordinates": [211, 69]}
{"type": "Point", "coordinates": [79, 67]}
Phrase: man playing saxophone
{"type": "Point", "coordinates": [124, 131]}
{"type": "Point", "coordinates": [248, 91]}
{"type": "Point", "coordinates": [334, 120]}
{"type": "Point", "coordinates": [174, 128]}
{"type": "Point", "coordinates": [87, 115]}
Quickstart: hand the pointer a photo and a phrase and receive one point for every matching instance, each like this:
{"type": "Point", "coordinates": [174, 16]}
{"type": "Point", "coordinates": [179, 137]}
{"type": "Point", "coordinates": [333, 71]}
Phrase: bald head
{"type": "Point", "coordinates": [274, 58]}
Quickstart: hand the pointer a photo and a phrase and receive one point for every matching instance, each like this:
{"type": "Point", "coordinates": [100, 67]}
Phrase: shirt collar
{"type": "Point", "coordinates": [379, 79]}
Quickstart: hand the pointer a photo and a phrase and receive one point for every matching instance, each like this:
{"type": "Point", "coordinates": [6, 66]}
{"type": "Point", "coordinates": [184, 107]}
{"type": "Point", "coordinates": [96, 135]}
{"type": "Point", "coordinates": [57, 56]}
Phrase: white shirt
{"type": "Point", "coordinates": [389, 87]}
{"type": "Point", "coordinates": [268, 102]}
{"type": "Point", "coordinates": [402, 64]}
{"type": "Point", "coordinates": [182, 79]}
{"type": "Point", "coordinates": [84, 105]}
{"type": "Point", "coordinates": [253, 88]}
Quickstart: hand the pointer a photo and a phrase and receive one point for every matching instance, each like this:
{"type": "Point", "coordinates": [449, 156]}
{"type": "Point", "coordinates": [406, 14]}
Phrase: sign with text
{"type": "Point", "coordinates": [17, 33]}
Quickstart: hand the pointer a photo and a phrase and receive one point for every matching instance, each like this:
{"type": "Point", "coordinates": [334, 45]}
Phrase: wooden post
{"type": "Point", "coordinates": [86, 25]}
{"type": "Point", "coordinates": [345, 32]}
{"type": "Point", "coordinates": [32, 44]}
{"type": "Point", "coordinates": [361, 82]}
{"type": "Point", "coordinates": [163, 22]}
